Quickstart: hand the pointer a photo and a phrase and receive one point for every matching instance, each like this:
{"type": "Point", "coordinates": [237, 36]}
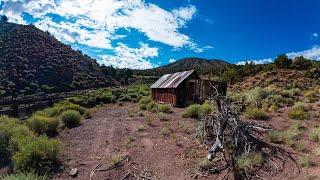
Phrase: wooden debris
{"type": "Point", "coordinates": [93, 171]}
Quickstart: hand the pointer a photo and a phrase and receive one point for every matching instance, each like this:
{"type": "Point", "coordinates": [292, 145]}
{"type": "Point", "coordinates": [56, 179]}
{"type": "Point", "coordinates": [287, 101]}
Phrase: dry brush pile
{"type": "Point", "coordinates": [237, 145]}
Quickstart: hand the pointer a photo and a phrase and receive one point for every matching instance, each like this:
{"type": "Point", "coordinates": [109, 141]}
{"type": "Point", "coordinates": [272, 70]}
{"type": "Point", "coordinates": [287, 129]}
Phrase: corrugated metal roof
{"type": "Point", "coordinates": [171, 80]}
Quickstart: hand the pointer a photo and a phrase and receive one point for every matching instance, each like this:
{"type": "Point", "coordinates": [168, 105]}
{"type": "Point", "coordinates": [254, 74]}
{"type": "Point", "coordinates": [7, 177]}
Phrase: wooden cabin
{"type": "Point", "coordinates": [184, 88]}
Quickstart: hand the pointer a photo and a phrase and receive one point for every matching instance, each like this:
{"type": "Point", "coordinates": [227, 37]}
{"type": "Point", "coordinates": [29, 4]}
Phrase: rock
{"type": "Point", "coordinates": [74, 172]}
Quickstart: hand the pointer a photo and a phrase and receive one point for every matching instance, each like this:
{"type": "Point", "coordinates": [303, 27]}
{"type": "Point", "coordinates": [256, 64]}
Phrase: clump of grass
{"type": "Point", "coordinates": [207, 107]}
{"type": "Point", "coordinates": [300, 146]}
{"type": "Point", "coordinates": [163, 117]}
{"type": "Point", "coordinates": [193, 111]}
{"type": "Point", "coordinates": [311, 96]}
{"type": "Point", "coordinates": [43, 125]}
{"type": "Point", "coordinates": [39, 155]}
{"type": "Point", "coordinates": [87, 115]}
{"type": "Point", "coordinates": [71, 118]}
{"type": "Point", "coordinates": [317, 151]}
{"type": "Point", "coordinates": [289, 135]}
{"type": "Point", "coordinates": [141, 114]}
{"type": "Point", "coordinates": [145, 100]}
{"type": "Point", "coordinates": [248, 162]}
{"type": "Point", "coordinates": [129, 141]}
{"type": "Point", "coordinates": [150, 121]}
{"type": "Point", "coordinates": [116, 160]}
{"type": "Point", "coordinates": [166, 130]}
{"type": "Point", "coordinates": [23, 176]}
{"type": "Point", "coordinates": [130, 114]}
{"type": "Point", "coordinates": [302, 106]}
{"type": "Point", "coordinates": [274, 136]}
{"type": "Point", "coordinates": [205, 164]}
{"type": "Point", "coordinates": [255, 96]}
{"type": "Point", "coordinates": [165, 108]}
{"type": "Point", "coordinates": [11, 131]}
{"type": "Point", "coordinates": [315, 135]}
{"type": "Point", "coordinates": [143, 106]}
{"type": "Point", "coordinates": [141, 127]}
{"type": "Point", "coordinates": [291, 92]}
{"type": "Point", "coordinates": [297, 114]}
{"type": "Point", "coordinates": [304, 161]}
{"type": "Point", "coordinates": [185, 128]}
{"type": "Point", "coordinates": [256, 113]}
{"type": "Point", "coordinates": [152, 107]}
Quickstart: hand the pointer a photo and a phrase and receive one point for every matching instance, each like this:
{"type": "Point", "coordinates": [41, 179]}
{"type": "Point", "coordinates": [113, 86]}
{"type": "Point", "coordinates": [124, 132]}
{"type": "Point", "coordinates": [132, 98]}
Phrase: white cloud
{"type": "Point", "coordinates": [316, 35]}
{"type": "Point", "coordinates": [104, 17]}
{"type": "Point", "coordinates": [133, 58]}
{"type": "Point", "coordinates": [172, 60]}
{"type": "Point", "coordinates": [313, 53]}
{"type": "Point", "coordinates": [72, 33]}
{"type": "Point", "coordinates": [156, 23]}
{"type": "Point", "coordinates": [260, 61]}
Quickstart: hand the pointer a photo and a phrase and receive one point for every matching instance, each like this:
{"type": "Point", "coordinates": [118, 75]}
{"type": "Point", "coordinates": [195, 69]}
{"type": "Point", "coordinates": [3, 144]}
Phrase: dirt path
{"type": "Point", "coordinates": [157, 149]}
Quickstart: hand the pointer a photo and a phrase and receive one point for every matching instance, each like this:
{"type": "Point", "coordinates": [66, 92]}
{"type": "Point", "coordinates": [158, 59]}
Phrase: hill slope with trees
{"type": "Point", "coordinates": [34, 61]}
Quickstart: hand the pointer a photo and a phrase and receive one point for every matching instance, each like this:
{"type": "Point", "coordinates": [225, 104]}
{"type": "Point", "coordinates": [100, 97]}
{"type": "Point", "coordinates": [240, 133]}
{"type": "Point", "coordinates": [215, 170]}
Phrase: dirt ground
{"type": "Point", "coordinates": [155, 149]}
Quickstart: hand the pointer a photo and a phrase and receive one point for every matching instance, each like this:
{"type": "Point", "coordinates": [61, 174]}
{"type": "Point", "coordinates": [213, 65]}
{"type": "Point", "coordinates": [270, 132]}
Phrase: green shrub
{"type": "Point", "coordinates": [141, 127]}
{"type": "Point", "coordinates": [304, 161]}
{"type": "Point", "coordinates": [150, 121]}
{"type": "Point", "coordinates": [11, 131]}
{"type": "Point", "coordinates": [145, 100]}
{"type": "Point", "coordinates": [315, 135]}
{"type": "Point", "coordinates": [152, 107]}
{"type": "Point", "coordinates": [71, 118]}
{"type": "Point", "coordinates": [186, 128]}
{"type": "Point", "coordinates": [107, 98]}
{"type": "Point", "coordinates": [302, 106]}
{"type": "Point", "coordinates": [291, 134]}
{"type": "Point", "coordinates": [205, 164]}
{"type": "Point", "coordinates": [291, 92]}
{"type": "Point", "coordinates": [143, 106]}
{"type": "Point", "coordinates": [316, 151]}
{"type": "Point", "coordinates": [62, 106]}
{"type": "Point", "coordinates": [297, 113]}
{"type": "Point", "coordinates": [39, 155]}
{"type": "Point", "coordinates": [79, 101]}
{"type": "Point", "coordinates": [300, 146]}
{"type": "Point", "coordinates": [48, 112]}
{"type": "Point", "coordinates": [248, 162]}
{"type": "Point", "coordinates": [193, 111]}
{"type": "Point", "coordinates": [165, 108]}
{"type": "Point", "coordinates": [207, 107]}
{"type": "Point", "coordinates": [43, 125]}
{"type": "Point", "coordinates": [162, 116]}
{"type": "Point", "coordinates": [311, 96]}
{"type": "Point", "coordinates": [274, 136]}
{"type": "Point", "coordinates": [23, 176]}
{"type": "Point", "coordinates": [87, 115]}
{"type": "Point", "coordinates": [256, 113]}
{"type": "Point", "coordinates": [277, 101]}
{"type": "Point", "coordinates": [255, 96]}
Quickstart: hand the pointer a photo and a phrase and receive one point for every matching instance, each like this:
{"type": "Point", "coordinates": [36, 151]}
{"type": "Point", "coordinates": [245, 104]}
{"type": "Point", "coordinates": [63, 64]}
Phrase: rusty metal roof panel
{"type": "Point", "coordinates": [171, 80]}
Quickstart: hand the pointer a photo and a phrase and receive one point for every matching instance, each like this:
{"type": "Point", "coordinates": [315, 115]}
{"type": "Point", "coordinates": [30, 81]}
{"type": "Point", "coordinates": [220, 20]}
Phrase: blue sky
{"type": "Point", "coordinates": [143, 34]}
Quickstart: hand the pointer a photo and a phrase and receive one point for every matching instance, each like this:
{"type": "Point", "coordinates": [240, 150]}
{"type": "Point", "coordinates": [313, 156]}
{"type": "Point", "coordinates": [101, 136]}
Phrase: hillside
{"type": "Point", "coordinates": [33, 61]}
{"type": "Point", "coordinates": [280, 79]}
{"type": "Point", "coordinates": [203, 66]}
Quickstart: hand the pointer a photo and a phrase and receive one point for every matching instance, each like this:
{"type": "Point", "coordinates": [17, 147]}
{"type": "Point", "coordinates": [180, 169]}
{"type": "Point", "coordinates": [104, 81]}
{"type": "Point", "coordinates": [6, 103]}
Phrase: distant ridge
{"type": "Point", "coordinates": [202, 66]}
